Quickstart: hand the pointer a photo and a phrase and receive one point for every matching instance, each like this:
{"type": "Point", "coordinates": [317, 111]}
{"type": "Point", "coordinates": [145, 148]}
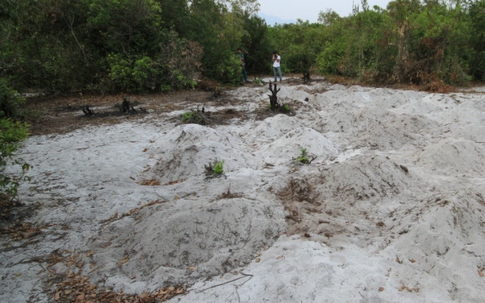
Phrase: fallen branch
{"type": "Point", "coordinates": [227, 282]}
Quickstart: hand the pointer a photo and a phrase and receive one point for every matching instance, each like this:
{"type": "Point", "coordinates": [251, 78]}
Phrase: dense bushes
{"type": "Point", "coordinates": [120, 45]}
{"type": "Point", "coordinates": [159, 45]}
{"type": "Point", "coordinates": [409, 42]}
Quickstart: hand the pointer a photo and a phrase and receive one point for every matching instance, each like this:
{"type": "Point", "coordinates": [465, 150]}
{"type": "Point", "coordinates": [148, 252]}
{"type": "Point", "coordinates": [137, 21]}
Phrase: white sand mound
{"type": "Point", "coordinates": [272, 128]}
{"type": "Point", "coordinates": [442, 240]}
{"type": "Point", "coordinates": [391, 210]}
{"type": "Point", "coordinates": [189, 148]}
{"type": "Point", "coordinates": [378, 127]}
{"type": "Point", "coordinates": [364, 177]}
{"type": "Point", "coordinates": [192, 239]}
{"type": "Point", "coordinates": [453, 157]}
{"type": "Point", "coordinates": [472, 132]}
{"type": "Point", "coordinates": [289, 146]}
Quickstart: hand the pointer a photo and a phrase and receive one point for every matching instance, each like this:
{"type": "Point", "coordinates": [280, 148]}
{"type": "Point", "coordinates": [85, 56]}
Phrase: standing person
{"type": "Point", "coordinates": [277, 66]}
{"type": "Point", "coordinates": [243, 66]}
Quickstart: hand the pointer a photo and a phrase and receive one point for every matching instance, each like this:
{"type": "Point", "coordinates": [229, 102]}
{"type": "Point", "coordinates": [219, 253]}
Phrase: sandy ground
{"type": "Point", "coordinates": [391, 209]}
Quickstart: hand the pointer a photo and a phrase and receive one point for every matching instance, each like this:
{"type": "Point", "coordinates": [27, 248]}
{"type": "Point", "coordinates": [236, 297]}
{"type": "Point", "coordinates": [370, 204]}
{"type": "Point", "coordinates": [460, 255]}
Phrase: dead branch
{"type": "Point", "coordinates": [87, 111]}
{"type": "Point", "coordinates": [227, 282]}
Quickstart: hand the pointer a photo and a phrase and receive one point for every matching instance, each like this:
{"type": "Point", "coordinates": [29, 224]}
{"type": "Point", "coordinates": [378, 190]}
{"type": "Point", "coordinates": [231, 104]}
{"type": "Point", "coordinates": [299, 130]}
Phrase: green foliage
{"type": "Point", "coordinates": [256, 44]}
{"type": "Point", "coordinates": [177, 68]}
{"type": "Point", "coordinates": [214, 170]}
{"type": "Point", "coordinates": [258, 81]}
{"type": "Point", "coordinates": [161, 45]}
{"type": "Point", "coordinates": [133, 75]}
{"type": "Point", "coordinates": [299, 44]}
{"type": "Point", "coordinates": [188, 116]}
{"type": "Point", "coordinates": [12, 133]}
{"type": "Point", "coordinates": [477, 40]}
{"type": "Point", "coordinates": [10, 101]}
{"type": "Point", "coordinates": [196, 117]}
{"type": "Point", "coordinates": [219, 167]}
{"type": "Point", "coordinates": [303, 158]}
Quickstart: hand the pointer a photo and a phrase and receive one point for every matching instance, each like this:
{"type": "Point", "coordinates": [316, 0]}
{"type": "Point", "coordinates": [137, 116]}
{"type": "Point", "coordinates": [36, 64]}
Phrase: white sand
{"type": "Point", "coordinates": [391, 209]}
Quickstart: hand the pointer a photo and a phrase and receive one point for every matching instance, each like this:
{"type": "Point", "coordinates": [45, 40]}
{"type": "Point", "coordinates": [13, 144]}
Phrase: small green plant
{"type": "Point", "coordinates": [287, 108]}
{"type": "Point", "coordinates": [258, 81]}
{"type": "Point", "coordinates": [188, 116]}
{"type": "Point", "coordinates": [219, 167]}
{"type": "Point", "coordinates": [214, 170]}
{"type": "Point", "coordinates": [303, 158]}
{"type": "Point", "coordinates": [196, 117]}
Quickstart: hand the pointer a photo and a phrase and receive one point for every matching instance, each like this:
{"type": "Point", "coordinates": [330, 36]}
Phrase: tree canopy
{"type": "Point", "coordinates": [158, 45]}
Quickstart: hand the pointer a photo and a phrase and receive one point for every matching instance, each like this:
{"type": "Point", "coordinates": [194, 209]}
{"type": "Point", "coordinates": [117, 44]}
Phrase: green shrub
{"type": "Point", "coordinates": [10, 101]}
{"type": "Point", "coordinates": [12, 133]}
{"type": "Point", "coordinates": [188, 116]}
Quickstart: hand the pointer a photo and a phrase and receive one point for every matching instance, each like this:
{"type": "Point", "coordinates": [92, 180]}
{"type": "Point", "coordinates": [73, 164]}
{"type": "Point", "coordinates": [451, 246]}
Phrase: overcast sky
{"type": "Point", "coordinates": [309, 9]}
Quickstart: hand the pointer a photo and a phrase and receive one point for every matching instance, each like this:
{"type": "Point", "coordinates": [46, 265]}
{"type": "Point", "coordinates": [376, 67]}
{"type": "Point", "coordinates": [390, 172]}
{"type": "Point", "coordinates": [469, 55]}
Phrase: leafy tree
{"type": "Point", "coordinates": [256, 44]}
{"type": "Point", "coordinates": [299, 44]}
{"type": "Point", "coordinates": [477, 39]}
{"type": "Point", "coordinates": [328, 17]}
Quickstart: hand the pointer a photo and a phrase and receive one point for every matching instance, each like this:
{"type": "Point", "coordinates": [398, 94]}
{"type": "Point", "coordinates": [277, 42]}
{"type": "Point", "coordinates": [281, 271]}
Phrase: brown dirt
{"type": "Point", "coordinates": [65, 114]}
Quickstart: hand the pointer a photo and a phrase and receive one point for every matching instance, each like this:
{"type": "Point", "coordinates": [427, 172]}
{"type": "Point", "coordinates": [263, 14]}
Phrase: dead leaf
{"type": "Point", "coordinates": [257, 260]}
{"type": "Point", "coordinates": [480, 273]}
{"type": "Point", "coordinates": [381, 288]}
{"type": "Point", "coordinates": [81, 297]}
{"type": "Point", "coordinates": [57, 296]}
{"type": "Point", "coordinates": [412, 260]}
{"type": "Point", "coordinates": [125, 260]}
{"type": "Point", "coordinates": [401, 288]}
{"type": "Point", "coordinates": [279, 257]}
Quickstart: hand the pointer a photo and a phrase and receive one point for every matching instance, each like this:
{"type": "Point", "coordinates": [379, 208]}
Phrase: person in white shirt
{"type": "Point", "coordinates": [277, 66]}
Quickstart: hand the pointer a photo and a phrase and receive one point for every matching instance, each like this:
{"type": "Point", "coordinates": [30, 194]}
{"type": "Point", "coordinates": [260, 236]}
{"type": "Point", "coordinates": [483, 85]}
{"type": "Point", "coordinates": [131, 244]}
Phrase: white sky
{"type": "Point", "coordinates": [309, 9]}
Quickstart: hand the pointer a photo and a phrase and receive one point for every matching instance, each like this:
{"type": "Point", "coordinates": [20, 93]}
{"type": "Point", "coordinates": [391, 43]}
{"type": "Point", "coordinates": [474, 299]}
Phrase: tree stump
{"type": "Point", "coordinates": [87, 111]}
{"type": "Point", "coordinates": [306, 76]}
{"type": "Point", "coordinates": [273, 99]}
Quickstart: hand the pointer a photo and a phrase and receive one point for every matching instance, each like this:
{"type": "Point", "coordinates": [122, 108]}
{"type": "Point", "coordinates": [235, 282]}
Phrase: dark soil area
{"type": "Point", "coordinates": [65, 114]}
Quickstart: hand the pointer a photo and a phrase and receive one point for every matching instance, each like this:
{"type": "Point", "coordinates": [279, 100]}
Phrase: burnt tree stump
{"type": "Point", "coordinates": [273, 99]}
{"type": "Point", "coordinates": [87, 111]}
{"type": "Point", "coordinates": [306, 76]}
